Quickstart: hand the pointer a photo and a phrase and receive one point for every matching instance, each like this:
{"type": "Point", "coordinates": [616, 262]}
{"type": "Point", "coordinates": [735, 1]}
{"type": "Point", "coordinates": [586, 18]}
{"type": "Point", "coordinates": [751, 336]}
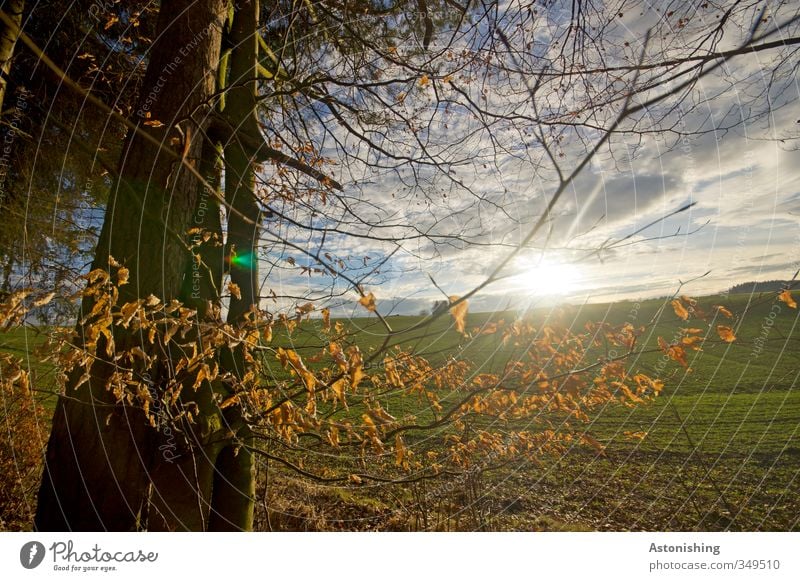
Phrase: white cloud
{"type": "Point", "coordinates": [493, 181]}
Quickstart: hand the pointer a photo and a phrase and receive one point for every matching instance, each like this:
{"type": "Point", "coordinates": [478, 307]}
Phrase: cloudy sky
{"type": "Point", "coordinates": [740, 172]}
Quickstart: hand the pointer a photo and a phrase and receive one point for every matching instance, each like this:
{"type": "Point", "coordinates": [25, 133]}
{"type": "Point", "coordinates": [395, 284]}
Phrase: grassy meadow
{"type": "Point", "coordinates": [721, 451]}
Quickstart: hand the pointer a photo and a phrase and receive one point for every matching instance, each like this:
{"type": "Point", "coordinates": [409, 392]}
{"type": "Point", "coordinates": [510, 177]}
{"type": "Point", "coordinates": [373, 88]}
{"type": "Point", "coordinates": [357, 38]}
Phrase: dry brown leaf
{"type": "Point", "coordinates": [368, 302]}
{"type": "Point", "coordinates": [726, 333]}
{"type": "Point", "coordinates": [787, 298]}
{"type": "Point", "coordinates": [235, 291]}
{"type": "Point", "coordinates": [459, 313]}
{"type": "Point", "coordinates": [680, 310]}
{"type": "Point", "coordinates": [723, 311]}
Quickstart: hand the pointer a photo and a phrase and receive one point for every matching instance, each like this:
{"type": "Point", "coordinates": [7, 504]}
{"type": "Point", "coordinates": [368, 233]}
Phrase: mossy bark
{"type": "Point", "coordinates": [234, 484]}
{"type": "Point", "coordinates": [101, 454]}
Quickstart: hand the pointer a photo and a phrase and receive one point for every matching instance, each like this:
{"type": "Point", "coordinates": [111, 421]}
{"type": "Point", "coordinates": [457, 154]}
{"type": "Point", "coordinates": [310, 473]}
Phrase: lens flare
{"type": "Point", "coordinates": [244, 261]}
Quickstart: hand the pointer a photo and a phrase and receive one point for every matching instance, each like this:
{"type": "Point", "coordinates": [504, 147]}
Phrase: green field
{"type": "Point", "coordinates": [722, 450]}
{"type": "Point", "coordinates": [30, 344]}
{"type": "Point", "coordinates": [732, 398]}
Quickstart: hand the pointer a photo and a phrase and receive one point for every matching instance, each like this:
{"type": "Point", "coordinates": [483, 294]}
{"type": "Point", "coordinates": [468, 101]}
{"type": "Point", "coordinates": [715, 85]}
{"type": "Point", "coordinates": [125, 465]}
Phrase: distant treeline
{"type": "Point", "coordinates": [764, 286]}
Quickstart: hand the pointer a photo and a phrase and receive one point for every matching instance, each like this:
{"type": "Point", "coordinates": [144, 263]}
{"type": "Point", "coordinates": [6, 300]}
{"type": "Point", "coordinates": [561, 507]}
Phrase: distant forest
{"type": "Point", "coordinates": [764, 286]}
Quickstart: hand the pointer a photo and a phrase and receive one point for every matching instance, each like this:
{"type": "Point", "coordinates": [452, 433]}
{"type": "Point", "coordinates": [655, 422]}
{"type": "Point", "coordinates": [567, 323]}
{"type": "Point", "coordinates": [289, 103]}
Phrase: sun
{"type": "Point", "coordinates": [546, 277]}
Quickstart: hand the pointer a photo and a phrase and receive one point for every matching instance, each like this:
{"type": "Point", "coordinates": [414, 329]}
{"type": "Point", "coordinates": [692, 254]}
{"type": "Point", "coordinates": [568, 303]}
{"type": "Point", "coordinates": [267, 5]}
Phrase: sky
{"type": "Point", "coordinates": [740, 176]}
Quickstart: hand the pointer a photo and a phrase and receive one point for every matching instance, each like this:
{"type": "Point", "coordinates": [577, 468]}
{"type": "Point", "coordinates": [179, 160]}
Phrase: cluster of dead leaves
{"type": "Point", "coordinates": [538, 404]}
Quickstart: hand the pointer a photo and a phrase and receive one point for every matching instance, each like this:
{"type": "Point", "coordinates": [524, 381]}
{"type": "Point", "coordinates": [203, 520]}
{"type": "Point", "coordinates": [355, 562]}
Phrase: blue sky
{"type": "Point", "coordinates": [740, 172]}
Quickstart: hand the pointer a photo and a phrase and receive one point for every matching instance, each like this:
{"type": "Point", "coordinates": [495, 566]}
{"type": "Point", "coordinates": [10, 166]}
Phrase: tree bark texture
{"type": "Point", "coordinates": [234, 485]}
{"type": "Point", "coordinates": [103, 460]}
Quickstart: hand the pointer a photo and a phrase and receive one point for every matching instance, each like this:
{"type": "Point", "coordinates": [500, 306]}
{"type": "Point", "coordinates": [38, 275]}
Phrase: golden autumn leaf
{"type": "Point", "coordinates": [645, 382]}
{"type": "Point", "coordinates": [392, 375]}
{"type": "Point", "coordinates": [326, 320]}
{"type": "Point", "coordinates": [723, 311]}
{"type": "Point", "coordinates": [355, 479]}
{"type": "Point", "coordinates": [369, 425]}
{"type": "Point", "coordinates": [629, 394]}
{"type": "Point", "coordinates": [289, 357]}
{"type": "Point", "coordinates": [123, 274]}
{"type": "Point", "coordinates": [459, 313]}
{"type": "Point", "coordinates": [304, 309]}
{"type": "Point", "coordinates": [338, 355]}
{"type": "Point", "coordinates": [679, 355]}
{"type": "Point", "coordinates": [41, 301]}
{"type": "Point", "coordinates": [282, 357]}
{"type": "Point", "coordinates": [137, 351]}
{"type": "Point", "coordinates": [311, 406]}
{"type": "Point", "coordinates": [679, 309]}
{"type": "Point", "coordinates": [787, 298]}
{"type": "Point", "coordinates": [368, 302]}
{"type": "Point", "coordinates": [380, 416]}
{"type": "Point", "coordinates": [229, 401]}
{"type": "Point", "coordinates": [635, 435]}
{"type": "Point", "coordinates": [96, 276]}
{"type": "Point", "coordinates": [332, 436]}
{"type": "Point", "coordinates": [154, 123]}
{"type": "Point", "coordinates": [128, 311]}
{"type": "Point", "coordinates": [400, 451]}
{"type": "Point", "coordinates": [235, 291]}
{"type": "Point", "coordinates": [83, 379]}
{"type": "Point", "coordinates": [204, 374]}
{"type": "Point", "coordinates": [726, 333]}
{"type": "Point", "coordinates": [424, 81]}
{"type": "Point", "coordinates": [172, 328]}
{"type": "Point", "coordinates": [675, 352]}
{"type": "Point", "coordinates": [338, 388]}
{"type": "Point", "coordinates": [356, 365]}
{"type": "Point", "coordinates": [692, 342]}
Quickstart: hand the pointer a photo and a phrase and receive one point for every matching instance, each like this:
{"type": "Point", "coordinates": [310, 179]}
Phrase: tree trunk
{"type": "Point", "coordinates": [102, 455]}
{"type": "Point", "coordinates": [202, 280]}
{"type": "Point", "coordinates": [233, 502]}
{"type": "Point", "coordinates": [8, 40]}
{"type": "Point", "coordinates": [182, 486]}
{"type": "Point", "coordinates": [240, 113]}
{"type": "Point", "coordinates": [234, 485]}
